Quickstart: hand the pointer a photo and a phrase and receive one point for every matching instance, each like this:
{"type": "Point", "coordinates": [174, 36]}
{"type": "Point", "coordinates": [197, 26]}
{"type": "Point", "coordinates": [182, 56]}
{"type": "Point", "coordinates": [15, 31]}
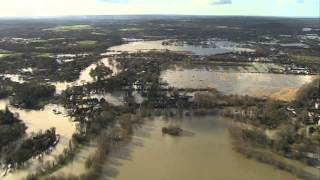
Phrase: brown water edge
{"type": "Point", "coordinates": [266, 156]}
{"type": "Point", "coordinates": [41, 120]}
{"type": "Point", "coordinates": [85, 76]}
{"type": "Point", "coordinates": [77, 165]}
{"type": "Point", "coordinates": [204, 153]}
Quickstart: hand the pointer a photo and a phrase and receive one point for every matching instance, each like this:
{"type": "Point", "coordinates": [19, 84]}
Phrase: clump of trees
{"type": "Point", "coordinates": [273, 114]}
{"type": "Point", "coordinates": [11, 128]}
{"type": "Point", "coordinates": [32, 95]}
{"type": "Point", "coordinates": [6, 87]}
{"type": "Point", "coordinates": [32, 146]}
{"type": "Point", "coordinates": [4, 92]}
{"type": "Point", "coordinates": [207, 99]}
{"type": "Point", "coordinates": [7, 117]}
{"type": "Point", "coordinates": [253, 136]}
{"type": "Point", "coordinates": [101, 72]}
{"type": "Point", "coordinates": [214, 98]}
{"type": "Point", "coordinates": [308, 93]}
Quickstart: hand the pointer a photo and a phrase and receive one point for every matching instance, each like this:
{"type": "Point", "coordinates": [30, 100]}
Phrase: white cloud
{"type": "Point", "coordinates": [193, 7]}
{"type": "Point", "coordinates": [221, 2]}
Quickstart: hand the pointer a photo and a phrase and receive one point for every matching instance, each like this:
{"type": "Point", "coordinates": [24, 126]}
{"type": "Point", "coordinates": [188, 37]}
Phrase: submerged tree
{"type": "Point", "coordinates": [101, 72]}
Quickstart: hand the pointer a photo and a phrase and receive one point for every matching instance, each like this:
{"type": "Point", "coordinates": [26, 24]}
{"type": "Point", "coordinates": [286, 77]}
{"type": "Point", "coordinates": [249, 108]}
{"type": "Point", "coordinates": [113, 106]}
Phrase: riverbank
{"type": "Point", "coordinates": [264, 156]}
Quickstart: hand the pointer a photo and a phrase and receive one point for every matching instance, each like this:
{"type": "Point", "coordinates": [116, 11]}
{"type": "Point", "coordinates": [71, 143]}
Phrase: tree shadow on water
{"type": "Point", "coordinates": [123, 152]}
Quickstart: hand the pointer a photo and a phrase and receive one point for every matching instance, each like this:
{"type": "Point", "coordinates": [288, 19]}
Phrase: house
{"type": "Point", "coordinates": [317, 105]}
{"type": "Point", "coordinates": [310, 130]}
{"type": "Point", "coordinates": [314, 118]}
{"type": "Point", "coordinates": [292, 110]}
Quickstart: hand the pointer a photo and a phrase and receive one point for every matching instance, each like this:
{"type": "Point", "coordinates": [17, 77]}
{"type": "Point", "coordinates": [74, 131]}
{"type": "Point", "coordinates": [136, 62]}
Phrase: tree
{"type": "Point", "coordinates": [307, 93]}
{"type": "Point", "coordinates": [32, 95]}
{"type": "Point", "coordinates": [273, 114]}
{"type": "Point", "coordinates": [101, 72]}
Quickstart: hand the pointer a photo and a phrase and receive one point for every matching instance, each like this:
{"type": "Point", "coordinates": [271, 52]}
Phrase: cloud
{"type": "Point", "coordinates": [115, 1]}
{"type": "Point", "coordinates": [292, 8]}
{"type": "Point", "coordinates": [287, 2]}
{"type": "Point", "coordinates": [221, 2]}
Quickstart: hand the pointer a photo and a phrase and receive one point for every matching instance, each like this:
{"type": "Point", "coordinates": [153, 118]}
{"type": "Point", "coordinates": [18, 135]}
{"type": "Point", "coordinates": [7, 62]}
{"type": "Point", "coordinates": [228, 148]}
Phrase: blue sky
{"type": "Point", "coordinates": [291, 8]}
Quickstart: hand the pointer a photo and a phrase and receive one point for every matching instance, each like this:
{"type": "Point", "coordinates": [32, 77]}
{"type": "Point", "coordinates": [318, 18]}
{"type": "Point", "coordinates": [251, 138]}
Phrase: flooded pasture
{"type": "Point", "coordinates": [254, 84]}
{"type": "Point", "coordinates": [221, 47]}
{"type": "Point", "coordinates": [204, 152]}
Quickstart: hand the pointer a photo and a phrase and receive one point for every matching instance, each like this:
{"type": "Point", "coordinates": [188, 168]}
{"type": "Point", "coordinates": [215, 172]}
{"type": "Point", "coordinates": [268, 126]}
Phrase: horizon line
{"type": "Point", "coordinates": [195, 15]}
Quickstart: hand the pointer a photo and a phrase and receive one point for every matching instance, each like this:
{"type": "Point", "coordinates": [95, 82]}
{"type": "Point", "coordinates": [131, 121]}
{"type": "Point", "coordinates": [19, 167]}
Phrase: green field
{"type": "Point", "coordinates": [306, 58]}
{"type": "Point", "coordinates": [2, 55]}
{"type": "Point", "coordinates": [86, 43]}
{"type": "Point", "coordinates": [69, 28]}
{"type": "Point", "coordinates": [43, 55]}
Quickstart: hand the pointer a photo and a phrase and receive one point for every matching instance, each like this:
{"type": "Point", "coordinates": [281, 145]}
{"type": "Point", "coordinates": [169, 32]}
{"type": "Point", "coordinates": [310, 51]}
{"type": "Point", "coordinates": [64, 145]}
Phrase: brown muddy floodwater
{"type": "Point", "coordinates": [204, 153]}
{"type": "Point", "coordinates": [253, 84]}
{"type": "Point", "coordinates": [41, 120]}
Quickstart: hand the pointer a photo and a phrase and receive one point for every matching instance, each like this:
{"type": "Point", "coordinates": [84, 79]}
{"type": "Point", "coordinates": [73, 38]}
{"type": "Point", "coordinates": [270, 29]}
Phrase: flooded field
{"type": "Point", "coordinates": [85, 77]}
{"type": "Point", "coordinates": [41, 120]}
{"type": "Point", "coordinates": [220, 48]}
{"type": "Point", "coordinates": [254, 84]}
{"type": "Point", "coordinates": [205, 153]}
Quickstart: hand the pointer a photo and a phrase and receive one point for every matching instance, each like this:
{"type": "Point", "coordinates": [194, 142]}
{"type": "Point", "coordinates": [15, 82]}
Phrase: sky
{"type": "Point", "coordinates": [288, 8]}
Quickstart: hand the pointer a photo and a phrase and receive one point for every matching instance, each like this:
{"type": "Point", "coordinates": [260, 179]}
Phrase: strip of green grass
{"type": "Point", "coordinates": [86, 43]}
{"type": "Point", "coordinates": [306, 58]}
{"type": "Point", "coordinates": [69, 28]}
{"type": "Point", "coordinates": [43, 55]}
{"type": "Point", "coordinates": [3, 55]}
{"type": "Point", "coordinates": [77, 149]}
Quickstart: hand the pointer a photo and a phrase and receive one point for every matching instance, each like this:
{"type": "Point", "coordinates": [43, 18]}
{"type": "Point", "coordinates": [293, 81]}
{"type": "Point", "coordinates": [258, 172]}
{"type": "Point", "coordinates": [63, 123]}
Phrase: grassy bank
{"type": "Point", "coordinates": [259, 153]}
{"type": "Point", "coordinates": [65, 158]}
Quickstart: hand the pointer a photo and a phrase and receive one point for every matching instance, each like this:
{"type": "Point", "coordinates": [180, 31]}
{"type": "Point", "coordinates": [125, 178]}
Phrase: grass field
{"type": "Point", "coordinates": [43, 55]}
{"type": "Point", "coordinates": [86, 43]}
{"type": "Point", "coordinates": [312, 61]}
{"type": "Point", "coordinates": [306, 58]}
{"type": "Point", "coordinates": [69, 28]}
{"type": "Point", "coordinates": [2, 55]}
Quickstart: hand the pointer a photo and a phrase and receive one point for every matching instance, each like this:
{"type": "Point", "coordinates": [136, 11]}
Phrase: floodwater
{"type": "Point", "coordinates": [114, 98]}
{"type": "Point", "coordinates": [221, 48]}
{"type": "Point", "coordinates": [204, 153]}
{"type": "Point", "coordinates": [108, 62]}
{"type": "Point", "coordinates": [85, 77]}
{"type": "Point", "coordinates": [77, 165]}
{"type": "Point", "coordinates": [254, 84]}
{"type": "Point", "coordinates": [117, 98]}
{"type": "Point", "coordinates": [14, 77]}
{"type": "Point", "coordinates": [41, 120]}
